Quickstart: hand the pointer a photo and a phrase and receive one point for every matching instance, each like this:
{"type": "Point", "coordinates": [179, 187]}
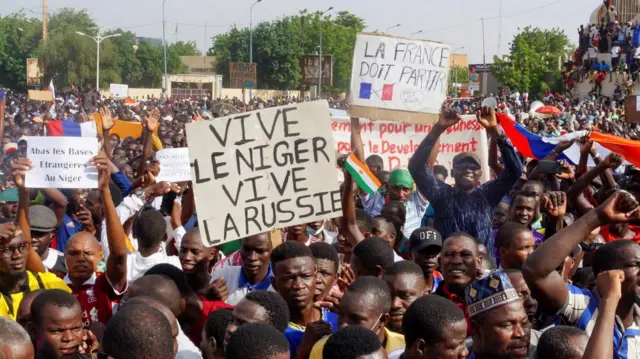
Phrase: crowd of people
{"type": "Point", "coordinates": [530, 264]}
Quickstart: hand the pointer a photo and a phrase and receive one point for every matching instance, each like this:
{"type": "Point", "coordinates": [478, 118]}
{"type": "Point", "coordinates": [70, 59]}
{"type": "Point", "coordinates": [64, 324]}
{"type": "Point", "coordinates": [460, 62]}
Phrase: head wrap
{"type": "Point", "coordinates": [400, 177]}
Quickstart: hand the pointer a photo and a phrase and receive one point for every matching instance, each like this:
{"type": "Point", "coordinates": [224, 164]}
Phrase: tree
{"type": "Point", "coordinates": [127, 62]}
{"type": "Point", "coordinates": [19, 36]}
{"type": "Point", "coordinates": [458, 75]}
{"type": "Point", "coordinates": [531, 64]}
{"type": "Point", "coordinates": [278, 46]}
{"type": "Point", "coordinates": [182, 48]}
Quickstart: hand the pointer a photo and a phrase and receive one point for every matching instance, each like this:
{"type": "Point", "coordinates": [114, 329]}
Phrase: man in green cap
{"type": "Point", "coordinates": [399, 188]}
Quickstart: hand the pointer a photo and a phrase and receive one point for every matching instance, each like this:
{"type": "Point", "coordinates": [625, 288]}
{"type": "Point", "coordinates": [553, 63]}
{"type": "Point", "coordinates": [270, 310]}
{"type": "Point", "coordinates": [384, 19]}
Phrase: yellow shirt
{"type": "Point", "coordinates": [395, 341]}
{"type": "Point", "coordinates": [9, 303]}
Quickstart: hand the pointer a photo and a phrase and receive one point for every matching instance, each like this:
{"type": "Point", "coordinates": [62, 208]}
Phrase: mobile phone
{"type": "Point", "coordinates": [550, 167]}
{"type": "Point", "coordinates": [167, 203]}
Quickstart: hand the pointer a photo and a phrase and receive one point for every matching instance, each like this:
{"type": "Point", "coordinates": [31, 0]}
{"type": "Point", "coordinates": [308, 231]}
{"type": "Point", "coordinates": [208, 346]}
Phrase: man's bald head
{"type": "Point", "coordinates": [14, 341]}
{"type": "Point", "coordinates": [84, 237]}
{"type": "Point", "coordinates": [157, 287]}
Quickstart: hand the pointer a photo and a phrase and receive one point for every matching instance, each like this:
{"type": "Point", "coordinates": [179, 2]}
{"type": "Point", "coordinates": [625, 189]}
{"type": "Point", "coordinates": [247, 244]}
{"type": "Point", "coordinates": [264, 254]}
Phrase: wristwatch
{"type": "Point", "coordinates": [139, 192]}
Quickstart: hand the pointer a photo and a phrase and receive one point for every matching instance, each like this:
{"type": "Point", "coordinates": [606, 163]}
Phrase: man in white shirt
{"type": "Point", "coordinates": [254, 274]}
{"type": "Point", "coordinates": [150, 228]}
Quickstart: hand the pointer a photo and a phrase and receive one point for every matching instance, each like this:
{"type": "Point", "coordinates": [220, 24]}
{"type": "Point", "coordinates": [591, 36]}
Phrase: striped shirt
{"type": "Point", "coordinates": [581, 310]}
{"type": "Point", "coordinates": [416, 207]}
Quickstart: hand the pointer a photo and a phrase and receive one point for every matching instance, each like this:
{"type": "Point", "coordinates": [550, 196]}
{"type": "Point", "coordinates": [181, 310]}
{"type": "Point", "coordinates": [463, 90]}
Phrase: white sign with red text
{"type": "Point", "coordinates": [396, 142]}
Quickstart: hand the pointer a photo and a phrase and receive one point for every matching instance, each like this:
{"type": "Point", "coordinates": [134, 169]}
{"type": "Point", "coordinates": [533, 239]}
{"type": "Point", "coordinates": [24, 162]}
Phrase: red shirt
{"type": "Point", "coordinates": [460, 302]}
{"type": "Point", "coordinates": [97, 298]}
{"type": "Point", "coordinates": [208, 307]}
{"type": "Point", "coordinates": [608, 236]}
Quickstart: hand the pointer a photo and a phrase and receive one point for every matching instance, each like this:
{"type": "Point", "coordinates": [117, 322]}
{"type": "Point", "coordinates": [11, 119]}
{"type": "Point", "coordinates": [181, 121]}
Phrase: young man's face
{"type": "Point", "coordinates": [326, 277]}
{"type": "Point", "coordinates": [452, 345]}
{"type": "Point", "coordinates": [245, 312]}
{"type": "Point", "coordinates": [523, 210]}
{"type": "Point", "coordinates": [405, 289]}
{"type": "Point", "coordinates": [61, 329]}
{"type": "Point", "coordinates": [522, 244]}
{"type": "Point", "coordinates": [295, 281]}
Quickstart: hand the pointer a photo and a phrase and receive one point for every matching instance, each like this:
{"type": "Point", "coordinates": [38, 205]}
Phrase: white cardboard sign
{"type": "Point", "coordinates": [174, 165]}
{"type": "Point", "coordinates": [62, 162]}
{"type": "Point", "coordinates": [118, 91]}
{"type": "Point", "coordinates": [257, 171]}
{"type": "Point", "coordinates": [396, 142]}
{"type": "Point", "coordinates": [398, 74]}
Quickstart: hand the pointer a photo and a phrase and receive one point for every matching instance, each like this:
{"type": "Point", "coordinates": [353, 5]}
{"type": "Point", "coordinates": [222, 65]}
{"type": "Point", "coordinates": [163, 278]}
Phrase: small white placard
{"type": "Point", "coordinates": [62, 162]}
{"type": "Point", "coordinates": [174, 165]}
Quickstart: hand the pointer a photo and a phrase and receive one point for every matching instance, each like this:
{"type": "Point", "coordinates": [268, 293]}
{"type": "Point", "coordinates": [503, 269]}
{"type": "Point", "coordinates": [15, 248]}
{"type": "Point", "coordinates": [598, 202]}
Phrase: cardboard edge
{"type": "Point", "coordinates": [379, 114]}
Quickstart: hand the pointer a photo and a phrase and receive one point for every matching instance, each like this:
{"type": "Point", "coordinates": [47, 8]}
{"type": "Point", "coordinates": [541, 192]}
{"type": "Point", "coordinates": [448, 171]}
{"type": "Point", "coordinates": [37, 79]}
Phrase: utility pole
{"type": "Point", "coordinates": [44, 20]}
{"type": "Point", "coordinates": [484, 55]}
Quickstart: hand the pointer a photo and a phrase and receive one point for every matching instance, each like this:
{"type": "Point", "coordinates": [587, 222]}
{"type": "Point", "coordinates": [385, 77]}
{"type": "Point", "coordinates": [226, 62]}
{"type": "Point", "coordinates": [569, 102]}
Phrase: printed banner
{"type": "Point", "coordinates": [396, 142]}
{"type": "Point", "coordinates": [174, 165]}
{"type": "Point", "coordinates": [398, 79]}
{"type": "Point", "coordinates": [62, 162]}
{"type": "Point", "coordinates": [265, 169]}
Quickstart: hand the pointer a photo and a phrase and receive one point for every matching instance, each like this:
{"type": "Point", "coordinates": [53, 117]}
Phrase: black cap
{"type": "Point", "coordinates": [466, 157]}
{"type": "Point", "coordinates": [424, 237]}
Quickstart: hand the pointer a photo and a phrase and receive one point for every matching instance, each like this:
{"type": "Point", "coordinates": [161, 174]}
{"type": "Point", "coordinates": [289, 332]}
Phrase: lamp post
{"type": "Point", "coordinates": [320, 57]}
{"type": "Point", "coordinates": [251, 39]}
{"type": "Point", "coordinates": [415, 33]}
{"type": "Point", "coordinates": [98, 39]}
{"type": "Point", "coordinates": [164, 46]}
{"type": "Point", "coordinates": [392, 27]}
{"type": "Point", "coordinates": [455, 74]}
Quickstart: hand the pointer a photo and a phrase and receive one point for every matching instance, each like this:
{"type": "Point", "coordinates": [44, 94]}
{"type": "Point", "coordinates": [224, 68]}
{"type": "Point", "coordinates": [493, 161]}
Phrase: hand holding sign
{"type": "Point", "coordinates": [19, 167]}
{"type": "Point", "coordinates": [448, 117]}
{"type": "Point", "coordinates": [104, 170]}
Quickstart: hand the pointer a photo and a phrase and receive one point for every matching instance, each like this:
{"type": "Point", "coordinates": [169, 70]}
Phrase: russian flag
{"type": "Point", "coordinates": [538, 147]}
{"type": "Point", "coordinates": [69, 128]}
{"type": "Point", "coordinates": [52, 89]}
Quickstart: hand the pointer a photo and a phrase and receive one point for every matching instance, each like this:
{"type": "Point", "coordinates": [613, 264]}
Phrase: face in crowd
{"type": "Point", "coordinates": [459, 261]}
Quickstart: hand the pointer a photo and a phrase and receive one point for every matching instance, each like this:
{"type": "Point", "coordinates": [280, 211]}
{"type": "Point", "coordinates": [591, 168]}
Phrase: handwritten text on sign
{"type": "Point", "coordinates": [174, 165]}
{"type": "Point", "coordinates": [397, 142]}
{"type": "Point", "coordinates": [399, 74]}
{"type": "Point", "coordinates": [62, 162]}
{"type": "Point", "coordinates": [261, 170]}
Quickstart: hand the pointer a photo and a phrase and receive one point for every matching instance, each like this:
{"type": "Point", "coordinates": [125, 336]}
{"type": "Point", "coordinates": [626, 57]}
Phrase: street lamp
{"type": "Point", "coordinates": [455, 73]}
{"type": "Point", "coordinates": [320, 57]}
{"type": "Point", "coordinates": [98, 39]}
{"type": "Point", "coordinates": [164, 46]}
{"type": "Point", "coordinates": [392, 27]}
{"type": "Point", "coordinates": [415, 33]}
{"type": "Point", "coordinates": [251, 40]}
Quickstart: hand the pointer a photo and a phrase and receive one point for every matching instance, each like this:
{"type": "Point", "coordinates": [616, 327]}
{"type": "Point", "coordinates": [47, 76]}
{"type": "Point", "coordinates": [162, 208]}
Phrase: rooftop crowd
{"type": "Point", "coordinates": [531, 264]}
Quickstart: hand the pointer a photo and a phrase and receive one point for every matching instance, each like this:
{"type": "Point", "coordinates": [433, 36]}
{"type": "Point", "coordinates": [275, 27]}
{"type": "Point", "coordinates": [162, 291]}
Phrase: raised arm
{"type": "Point", "coordinates": [496, 189]}
{"type": "Point", "coordinates": [357, 147]}
{"type": "Point", "coordinates": [107, 124]}
{"type": "Point", "coordinates": [494, 164]}
{"type": "Point", "coordinates": [348, 222]}
{"type": "Point", "coordinates": [425, 181]}
{"type": "Point", "coordinates": [20, 167]}
{"type": "Point", "coordinates": [539, 269]}
{"type": "Point", "coordinates": [613, 160]}
{"type": "Point", "coordinates": [600, 344]}
{"type": "Point", "coordinates": [117, 259]}
{"type": "Point", "coordinates": [151, 126]}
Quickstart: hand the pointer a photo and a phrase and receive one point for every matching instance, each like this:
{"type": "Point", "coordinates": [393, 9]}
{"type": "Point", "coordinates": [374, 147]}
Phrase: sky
{"type": "Point", "coordinates": [456, 22]}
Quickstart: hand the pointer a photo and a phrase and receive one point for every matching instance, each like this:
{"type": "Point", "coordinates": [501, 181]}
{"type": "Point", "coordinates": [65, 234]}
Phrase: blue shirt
{"type": "Point", "coordinates": [294, 332]}
{"type": "Point", "coordinates": [457, 211]}
{"type": "Point", "coordinates": [68, 228]}
{"type": "Point", "coordinates": [581, 309]}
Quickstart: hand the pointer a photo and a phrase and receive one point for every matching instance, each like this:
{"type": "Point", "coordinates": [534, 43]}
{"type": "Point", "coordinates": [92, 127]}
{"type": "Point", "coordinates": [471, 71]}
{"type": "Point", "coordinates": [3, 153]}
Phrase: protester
{"type": "Point", "coordinates": [366, 303]}
{"type": "Point", "coordinates": [213, 333]}
{"type": "Point", "coordinates": [14, 341]}
{"type": "Point", "coordinates": [433, 327]}
{"type": "Point", "coordinates": [465, 207]}
{"type": "Point", "coordinates": [353, 342]}
{"type": "Point", "coordinates": [407, 283]}
{"type": "Point", "coordinates": [257, 341]}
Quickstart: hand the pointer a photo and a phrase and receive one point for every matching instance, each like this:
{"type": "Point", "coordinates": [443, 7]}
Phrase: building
{"type": "Point", "coordinates": [199, 64]}
{"type": "Point", "coordinates": [627, 10]}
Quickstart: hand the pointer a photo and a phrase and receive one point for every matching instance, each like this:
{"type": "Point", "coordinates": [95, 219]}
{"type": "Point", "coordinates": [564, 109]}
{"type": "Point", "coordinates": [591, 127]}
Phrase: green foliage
{"type": "Point", "coordinates": [278, 46]}
{"type": "Point", "coordinates": [457, 75]}
{"type": "Point", "coordinates": [182, 48]}
{"type": "Point", "coordinates": [19, 36]}
{"type": "Point", "coordinates": [532, 63]}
